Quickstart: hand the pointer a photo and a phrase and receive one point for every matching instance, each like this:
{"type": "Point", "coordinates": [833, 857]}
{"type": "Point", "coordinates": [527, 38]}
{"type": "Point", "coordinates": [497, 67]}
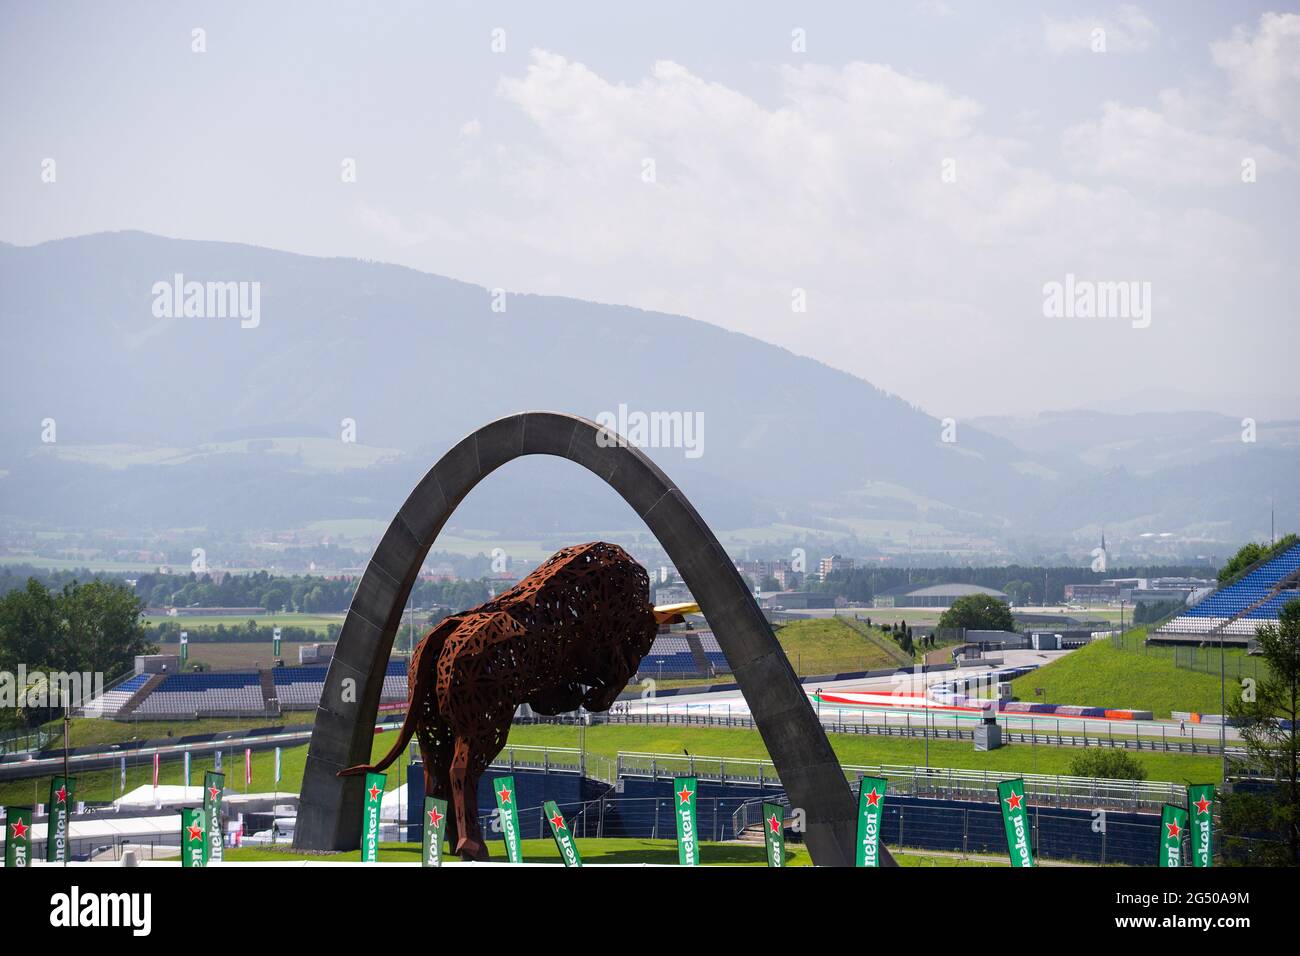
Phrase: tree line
{"type": "Point", "coordinates": [92, 627]}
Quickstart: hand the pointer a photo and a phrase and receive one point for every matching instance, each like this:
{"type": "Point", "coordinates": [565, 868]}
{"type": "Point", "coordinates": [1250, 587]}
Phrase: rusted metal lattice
{"type": "Point", "coordinates": [571, 633]}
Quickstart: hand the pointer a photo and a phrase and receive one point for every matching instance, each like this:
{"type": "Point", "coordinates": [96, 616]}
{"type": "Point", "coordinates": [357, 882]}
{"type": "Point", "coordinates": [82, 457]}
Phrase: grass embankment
{"type": "Point", "coordinates": [94, 732]}
{"type": "Point", "coordinates": [831, 645]}
{"type": "Point", "coordinates": [608, 740]}
{"type": "Point", "coordinates": [1103, 675]}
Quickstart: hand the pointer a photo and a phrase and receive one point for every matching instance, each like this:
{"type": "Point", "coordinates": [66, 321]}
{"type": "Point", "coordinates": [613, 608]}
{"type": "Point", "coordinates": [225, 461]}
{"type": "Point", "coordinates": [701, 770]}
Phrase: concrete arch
{"type": "Point", "coordinates": [329, 815]}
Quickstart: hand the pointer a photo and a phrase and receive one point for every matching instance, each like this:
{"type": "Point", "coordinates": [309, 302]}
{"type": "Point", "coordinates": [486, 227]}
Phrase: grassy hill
{"type": "Point", "coordinates": [830, 645]}
{"type": "Point", "coordinates": [1102, 675]}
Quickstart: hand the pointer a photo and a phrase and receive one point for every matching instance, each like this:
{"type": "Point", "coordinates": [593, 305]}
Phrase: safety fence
{"type": "Point", "coordinates": [1058, 790]}
{"type": "Point", "coordinates": [1067, 836]}
{"type": "Point", "coordinates": [1047, 731]}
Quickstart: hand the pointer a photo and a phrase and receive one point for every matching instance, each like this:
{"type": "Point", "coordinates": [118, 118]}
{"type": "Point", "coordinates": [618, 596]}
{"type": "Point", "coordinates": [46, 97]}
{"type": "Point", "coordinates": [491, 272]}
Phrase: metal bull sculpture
{"type": "Point", "coordinates": [571, 633]}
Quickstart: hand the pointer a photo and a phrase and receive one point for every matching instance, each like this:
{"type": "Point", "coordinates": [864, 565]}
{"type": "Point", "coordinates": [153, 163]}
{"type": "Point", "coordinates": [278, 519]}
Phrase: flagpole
{"type": "Point", "coordinates": [67, 725]}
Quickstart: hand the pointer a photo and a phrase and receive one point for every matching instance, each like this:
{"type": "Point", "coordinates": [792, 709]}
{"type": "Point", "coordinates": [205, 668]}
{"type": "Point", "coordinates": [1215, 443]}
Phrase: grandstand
{"type": "Point", "coordinates": [1232, 613]}
{"type": "Point", "coordinates": [713, 652]}
{"type": "Point", "coordinates": [299, 688]}
{"type": "Point", "coordinates": [230, 693]}
{"type": "Point", "coordinates": [207, 694]}
{"type": "Point", "coordinates": [114, 700]}
{"type": "Point", "coordinates": [671, 656]}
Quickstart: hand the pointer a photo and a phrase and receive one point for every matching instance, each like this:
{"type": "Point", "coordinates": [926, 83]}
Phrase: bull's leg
{"type": "Point", "coordinates": [437, 783]}
{"type": "Point", "coordinates": [464, 790]}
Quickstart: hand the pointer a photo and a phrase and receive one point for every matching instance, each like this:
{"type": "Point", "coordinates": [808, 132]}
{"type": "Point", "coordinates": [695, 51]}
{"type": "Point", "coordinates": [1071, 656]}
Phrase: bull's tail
{"type": "Point", "coordinates": [422, 663]}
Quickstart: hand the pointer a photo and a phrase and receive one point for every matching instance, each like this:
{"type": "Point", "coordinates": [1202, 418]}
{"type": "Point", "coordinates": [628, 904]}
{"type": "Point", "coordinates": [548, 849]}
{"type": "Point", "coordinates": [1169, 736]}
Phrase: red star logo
{"type": "Point", "coordinates": [1174, 829]}
{"type": "Point", "coordinates": [195, 831]}
{"type": "Point", "coordinates": [685, 794]}
{"type": "Point", "coordinates": [435, 817]}
{"type": "Point", "coordinates": [62, 794]}
{"type": "Point", "coordinates": [214, 792]}
{"type": "Point", "coordinates": [1202, 805]}
{"type": "Point", "coordinates": [1013, 801]}
{"type": "Point", "coordinates": [873, 798]}
{"type": "Point", "coordinates": [374, 793]}
{"type": "Point", "coordinates": [20, 830]}
{"type": "Point", "coordinates": [774, 823]}
{"type": "Point", "coordinates": [557, 821]}
{"type": "Point", "coordinates": [504, 793]}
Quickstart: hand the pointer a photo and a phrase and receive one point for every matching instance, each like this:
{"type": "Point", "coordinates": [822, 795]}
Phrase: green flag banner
{"type": "Point", "coordinates": [185, 649]}
{"type": "Point", "coordinates": [435, 831]}
{"type": "Point", "coordinates": [214, 787]}
{"type": "Point", "coordinates": [1200, 807]}
{"type": "Point", "coordinates": [871, 812]}
{"type": "Point", "coordinates": [1173, 827]}
{"type": "Point", "coordinates": [688, 843]}
{"type": "Point", "coordinates": [508, 816]}
{"type": "Point", "coordinates": [193, 842]}
{"type": "Point", "coordinates": [275, 642]}
{"type": "Point", "coordinates": [18, 836]}
{"type": "Point", "coordinates": [1015, 817]}
{"type": "Point", "coordinates": [774, 833]}
{"type": "Point", "coordinates": [370, 816]}
{"type": "Point", "coordinates": [56, 831]}
{"type": "Point", "coordinates": [563, 838]}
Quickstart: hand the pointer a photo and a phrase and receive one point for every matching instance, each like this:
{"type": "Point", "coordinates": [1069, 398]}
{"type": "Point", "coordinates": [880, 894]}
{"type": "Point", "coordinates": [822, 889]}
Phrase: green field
{"type": "Point", "coordinates": [228, 655]}
{"type": "Point", "coordinates": [90, 732]}
{"type": "Point", "coordinates": [607, 741]}
{"type": "Point", "coordinates": [1103, 675]}
{"type": "Point", "coordinates": [315, 622]}
{"type": "Point", "coordinates": [594, 850]}
{"type": "Point", "coordinates": [597, 851]}
{"type": "Point", "coordinates": [829, 645]}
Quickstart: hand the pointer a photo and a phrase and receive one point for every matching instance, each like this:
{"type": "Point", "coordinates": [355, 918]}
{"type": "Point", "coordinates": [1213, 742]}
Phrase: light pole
{"type": "Point", "coordinates": [1223, 707]}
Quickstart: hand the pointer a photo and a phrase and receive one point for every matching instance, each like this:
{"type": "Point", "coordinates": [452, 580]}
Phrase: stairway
{"type": "Point", "coordinates": [135, 700]}
{"type": "Point", "coordinates": [270, 696]}
{"type": "Point", "coordinates": [697, 652]}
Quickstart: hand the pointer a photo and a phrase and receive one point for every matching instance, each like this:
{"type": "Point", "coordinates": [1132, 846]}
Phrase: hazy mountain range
{"type": "Point", "coordinates": [165, 422]}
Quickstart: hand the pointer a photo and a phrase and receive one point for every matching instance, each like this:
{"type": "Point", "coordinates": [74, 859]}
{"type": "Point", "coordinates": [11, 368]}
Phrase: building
{"type": "Point", "coordinates": [1136, 590]}
{"type": "Point", "coordinates": [798, 600]}
{"type": "Point", "coordinates": [673, 594]}
{"type": "Point", "coordinates": [758, 572]}
{"type": "Point", "coordinates": [836, 562]}
{"type": "Point", "coordinates": [934, 595]}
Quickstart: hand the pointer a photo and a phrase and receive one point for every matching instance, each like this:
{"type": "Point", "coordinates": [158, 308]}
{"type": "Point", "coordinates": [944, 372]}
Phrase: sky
{"type": "Point", "coordinates": [894, 189]}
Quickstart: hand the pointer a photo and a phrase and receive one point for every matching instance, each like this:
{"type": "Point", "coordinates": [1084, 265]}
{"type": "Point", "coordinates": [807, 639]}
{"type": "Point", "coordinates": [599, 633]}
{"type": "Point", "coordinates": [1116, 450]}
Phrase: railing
{"type": "Point", "coordinates": [90, 707]}
{"type": "Point", "coordinates": [1058, 790]}
{"type": "Point", "coordinates": [1236, 665]}
{"type": "Point", "coordinates": [840, 722]}
{"type": "Point", "coordinates": [24, 741]}
{"type": "Point", "coordinates": [1054, 834]}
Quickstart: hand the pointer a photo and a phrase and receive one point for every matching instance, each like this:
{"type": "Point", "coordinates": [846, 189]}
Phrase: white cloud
{"type": "Point", "coordinates": [1263, 70]}
{"type": "Point", "coordinates": [1127, 30]}
{"type": "Point", "coordinates": [835, 186]}
{"type": "Point", "coordinates": [1201, 138]}
{"type": "Point", "coordinates": [1152, 146]}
